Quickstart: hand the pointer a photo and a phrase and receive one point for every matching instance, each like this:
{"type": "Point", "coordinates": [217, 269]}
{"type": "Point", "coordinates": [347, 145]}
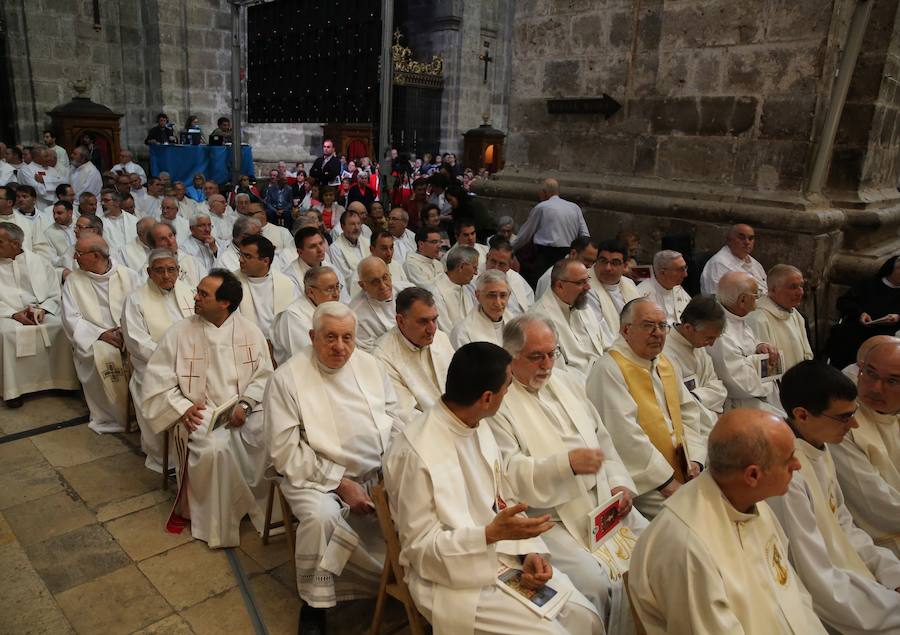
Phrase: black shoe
{"type": "Point", "coordinates": [312, 621]}
{"type": "Point", "coordinates": [13, 403]}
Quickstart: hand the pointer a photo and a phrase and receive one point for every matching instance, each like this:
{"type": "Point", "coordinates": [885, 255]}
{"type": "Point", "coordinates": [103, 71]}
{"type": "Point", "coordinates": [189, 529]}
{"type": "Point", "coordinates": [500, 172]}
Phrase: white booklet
{"type": "Point", "coordinates": [222, 415]}
{"type": "Point", "coordinates": [603, 520]}
{"type": "Point", "coordinates": [767, 371]}
{"type": "Point", "coordinates": [546, 602]}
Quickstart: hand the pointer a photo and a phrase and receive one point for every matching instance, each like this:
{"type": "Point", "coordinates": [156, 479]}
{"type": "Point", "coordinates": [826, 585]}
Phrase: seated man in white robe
{"type": "Point", "coordinates": [424, 265]}
{"type": "Point", "coordinates": [415, 353]}
{"type": "Point", "coordinates": [776, 319]}
{"type": "Point", "coordinates": [148, 313]}
{"type": "Point", "coordinates": [202, 245]}
{"type": "Point", "coordinates": [290, 330]}
{"type": "Point", "coordinates": [559, 459]}
{"type": "Point", "coordinates": [216, 360]}
{"type": "Point", "coordinates": [60, 233]}
{"type": "Point", "coordinates": [267, 291]}
{"type": "Point", "coordinates": [702, 322]}
{"type": "Point", "coordinates": [350, 247]}
{"type": "Point", "coordinates": [86, 225]}
{"type": "Point", "coordinates": [187, 206]}
{"type": "Point", "coordinates": [382, 244]}
{"type": "Point", "coordinates": [162, 236]}
{"type": "Point", "coordinates": [500, 257]}
{"type": "Point", "coordinates": [485, 322]}
{"type": "Point", "coordinates": [229, 257]}
{"type": "Point", "coordinates": [583, 248]}
{"type": "Point", "coordinates": [312, 251]}
{"type": "Point", "coordinates": [852, 370]}
{"type": "Point", "coordinates": [364, 230]}
{"type": "Point", "coordinates": [453, 289]}
{"type": "Point", "coordinates": [34, 241]}
{"type": "Point", "coordinates": [134, 254]}
{"type": "Point", "coordinates": [611, 289]}
{"type": "Point", "coordinates": [466, 237]}
{"type": "Point", "coordinates": [733, 352]}
{"type": "Point", "coordinates": [330, 412]}
{"type": "Point", "coordinates": [457, 517]}
{"type": "Point", "coordinates": [222, 218]}
{"type": "Point", "coordinates": [404, 238]}
{"type": "Point", "coordinates": [653, 420]}
{"type": "Point", "coordinates": [92, 301]}
{"type": "Point", "coordinates": [169, 213]}
{"type": "Point", "coordinates": [868, 459]}
{"type": "Point", "coordinates": [854, 584]}
{"type": "Point", "coordinates": [664, 286]}
{"type": "Point", "coordinates": [119, 228]}
{"type": "Point", "coordinates": [733, 256]}
{"type": "Point", "coordinates": [581, 340]}
{"type": "Point", "coordinates": [715, 559]}
{"type": "Point", "coordinates": [279, 236]}
{"type": "Point", "coordinates": [34, 352]}
{"type": "Point", "coordinates": [374, 306]}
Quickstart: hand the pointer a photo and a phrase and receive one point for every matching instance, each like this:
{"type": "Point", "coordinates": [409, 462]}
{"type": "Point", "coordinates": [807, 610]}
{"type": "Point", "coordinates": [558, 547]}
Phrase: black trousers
{"type": "Point", "coordinates": [536, 259]}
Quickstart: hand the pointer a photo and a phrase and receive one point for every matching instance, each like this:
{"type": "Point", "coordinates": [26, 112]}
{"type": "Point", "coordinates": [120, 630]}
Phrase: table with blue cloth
{"type": "Point", "coordinates": [183, 162]}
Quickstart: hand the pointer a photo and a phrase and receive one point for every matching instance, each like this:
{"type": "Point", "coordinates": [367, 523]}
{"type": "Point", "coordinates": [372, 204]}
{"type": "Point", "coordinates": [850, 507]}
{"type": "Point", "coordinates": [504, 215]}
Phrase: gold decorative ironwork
{"type": "Point", "coordinates": [411, 72]}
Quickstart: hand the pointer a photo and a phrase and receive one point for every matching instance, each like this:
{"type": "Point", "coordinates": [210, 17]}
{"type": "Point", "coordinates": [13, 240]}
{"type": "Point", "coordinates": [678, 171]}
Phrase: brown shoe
{"type": "Point", "coordinates": [13, 403]}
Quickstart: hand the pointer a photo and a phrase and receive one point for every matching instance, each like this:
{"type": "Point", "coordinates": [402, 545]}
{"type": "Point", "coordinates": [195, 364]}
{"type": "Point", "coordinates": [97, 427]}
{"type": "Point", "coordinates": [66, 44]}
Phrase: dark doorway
{"type": "Point", "coordinates": [7, 102]}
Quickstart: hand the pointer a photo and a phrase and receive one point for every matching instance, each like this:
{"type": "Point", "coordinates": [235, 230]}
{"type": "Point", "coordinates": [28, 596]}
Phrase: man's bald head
{"type": "Point", "coordinates": [872, 342]}
{"type": "Point", "coordinates": [358, 207]}
{"type": "Point", "coordinates": [375, 278]}
{"type": "Point", "coordinates": [879, 377]}
{"type": "Point", "coordinates": [143, 226]}
{"type": "Point", "coordinates": [737, 292]}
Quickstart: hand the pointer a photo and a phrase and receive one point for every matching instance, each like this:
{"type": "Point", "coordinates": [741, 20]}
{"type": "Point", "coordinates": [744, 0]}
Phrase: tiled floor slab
{"type": "Point", "coordinates": [142, 534]}
{"type": "Point", "coordinates": [267, 556]}
{"type": "Point", "coordinates": [18, 454]}
{"type": "Point", "coordinates": [73, 446]}
{"type": "Point", "coordinates": [110, 479]}
{"type": "Point", "coordinates": [47, 517]}
{"type": "Point", "coordinates": [189, 574]}
{"type": "Point", "coordinates": [27, 484]}
{"type": "Point", "coordinates": [41, 409]}
{"type": "Point", "coordinates": [117, 509]}
{"type": "Point", "coordinates": [172, 625]}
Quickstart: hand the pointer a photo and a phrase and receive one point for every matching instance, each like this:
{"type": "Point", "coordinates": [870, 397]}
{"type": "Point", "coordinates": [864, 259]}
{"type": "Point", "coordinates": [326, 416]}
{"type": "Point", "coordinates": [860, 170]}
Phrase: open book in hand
{"type": "Point", "coordinates": [885, 319]}
{"type": "Point", "coordinates": [546, 601]}
{"type": "Point", "coordinates": [222, 415]}
{"type": "Point", "coordinates": [768, 371]}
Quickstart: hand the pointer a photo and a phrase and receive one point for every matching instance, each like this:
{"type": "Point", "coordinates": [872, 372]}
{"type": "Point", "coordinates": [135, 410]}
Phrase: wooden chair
{"type": "Point", "coordinates": [638, 627]}
{"type": "Point", "coordinates": [392, 583]}
{"type": "Point", "coordinates": [165, 474]}
{"type": "Point", "coordinates": [287, 518]}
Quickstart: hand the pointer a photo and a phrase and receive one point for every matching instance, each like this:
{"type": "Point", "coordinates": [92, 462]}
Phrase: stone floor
{"type": "Point", "coordinates": [83, 549]}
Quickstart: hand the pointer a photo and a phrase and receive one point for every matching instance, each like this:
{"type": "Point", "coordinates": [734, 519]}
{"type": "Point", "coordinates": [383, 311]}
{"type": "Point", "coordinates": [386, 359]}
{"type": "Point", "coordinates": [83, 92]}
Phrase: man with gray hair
{"type": "Point", "coordinates": [222, 217]}
{"type": "Point", "coordinates": [330, 411]}
{"type": "Point", "coordinates": [702, 322]}
{"type": "Point", "coordinates": [34, 352]}
{"type": "Point", "coordinates": [290, 330]}
{"type": "Point", "coordinates": [733, 256]}
{"type": "Point", "coordinates": [202, 245]}
{"type": "Point", "coordinates": [559, 458]}
{"type": "Point", "coordinates": [126, 165]}
{"type": "Point", "coordinates": [92, 300]}
{"type": "Point", "coordinates": [776, 319]}
{"type": "Point", "coordinates": [485, 322]}
{"type": "Point", "coordinates": [134, 254]}
{"type": "Point", "coordinates": [119, 228]}
{"type": "Point", "coordinates": [404, 238]}
{"type": "Point", "coordinates": [374, 307]}
{"type": "Point", "coordinates": [162, 236]}
{"type": "Point", "coordinates": [734, 352]}
{"type": "Point", "coordinates": [83, 174]}
{"type": "Point", "coordinates": [148, 313]}
{"type": "Point", "coordinates": [229, 257]}
{"type": "Point", "coordinates": [452, 289]}
{"type": "Point", "coordinates": [169, 212]}
{"type": "Point", "coordinates": [664, 286]}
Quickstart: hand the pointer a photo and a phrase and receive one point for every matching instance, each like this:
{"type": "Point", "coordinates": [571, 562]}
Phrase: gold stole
{"type": "Point", "coordinates": [155, 313]}
{"type": "Point", "coordinates": [650, 416]}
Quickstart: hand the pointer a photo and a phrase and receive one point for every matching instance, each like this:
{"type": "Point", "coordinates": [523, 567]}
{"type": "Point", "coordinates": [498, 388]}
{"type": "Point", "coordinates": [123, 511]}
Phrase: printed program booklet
{"type": "Point", "coordinates": [546, 602]}
{"type": "Point", "coordinates": [603, 520]}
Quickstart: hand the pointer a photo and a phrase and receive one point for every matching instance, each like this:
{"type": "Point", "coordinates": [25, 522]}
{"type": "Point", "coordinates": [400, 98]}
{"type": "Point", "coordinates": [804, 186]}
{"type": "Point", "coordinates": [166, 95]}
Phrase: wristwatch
{"type": "Point", "coordinates": [245, 406]}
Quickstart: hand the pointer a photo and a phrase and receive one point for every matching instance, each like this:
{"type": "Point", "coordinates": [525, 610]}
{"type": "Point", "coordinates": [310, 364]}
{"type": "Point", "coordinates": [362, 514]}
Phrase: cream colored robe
{"type": "Point", "coordinates": [422, 270]}
{"type": "Point", "coordinates": [120, 230]}
{"type": "Point", "coordinates": [478, 327]}
{"type": "Point", "coordinates": [279, 236]}
{"type": "Point", "coordinates": [297, 269]}
{"type": "Point", "coordinates": [134, 256]}
{"type": "Point", "coordinates": [270, 299]}
{"type": "Point", "coordinates": [671, 300]}
{"type": "Point", "coordinates": [603, 303]}
{"type": "Point", "coordinates": [290, 330]}
{"type": "Point", "coordinates": [851, 581]}
{"type": "Point", "coordinates": [580, 339]}
{"type": "Point", "coordinates": [418, 374]}
{"type": "Point", "coordinates": [521, 296]}
{"type": "Point", "coordinates": [724, 261]}
{"type": "Point", "coordinates": [699, 376]}
{"type": "Point", "coordinates": [34, 240]}
{"type": "Point", "coordinates": [374, 318]}
{"type": "Point", "coordinates": [441, 479]}
{"type": "Point", "coordinates": [785, 330]}
{"type": "Point", "coordinates": [32, 358]}
{"type": "Point", "coordinates": [454, 302]}
{"type": "Point", "coordinates": [868, 469]}
{"type": "Point", "coordinates": [345, 256]}
{"type": "Point", "coordinates": [704, 567]}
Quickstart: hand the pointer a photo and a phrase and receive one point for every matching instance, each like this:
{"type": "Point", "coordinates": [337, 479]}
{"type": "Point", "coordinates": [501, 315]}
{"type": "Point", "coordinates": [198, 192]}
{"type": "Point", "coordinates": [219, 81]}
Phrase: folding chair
{"type": "Point", "coordinates": [287, 518]}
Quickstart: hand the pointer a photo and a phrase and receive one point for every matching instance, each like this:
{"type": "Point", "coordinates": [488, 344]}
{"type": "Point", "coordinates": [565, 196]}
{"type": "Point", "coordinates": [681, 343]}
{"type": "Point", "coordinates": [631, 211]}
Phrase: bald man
{"type": "Point", "coordinates": [776, 319]}
{"type": "Point", "coordinates": [852, 371]}
{"type": "Point", "coordinates": [715, 559]}
{"type": "Point", "coordinates": [134, 254]}
{"type": "Point", "coordinates": [733, 256]}
{"type": "Point", "coordinates": [374, 306]}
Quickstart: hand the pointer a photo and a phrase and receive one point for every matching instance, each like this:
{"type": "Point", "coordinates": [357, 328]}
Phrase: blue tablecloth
{"type": "Point", "coordinates": [183, 162]}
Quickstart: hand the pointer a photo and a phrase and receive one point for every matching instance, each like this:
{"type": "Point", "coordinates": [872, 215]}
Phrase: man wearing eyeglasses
{"type": "Point", "coordinates": [868, 459]}
{"type": "Point", "coordinates": [290, 330]}
{"type": "Point", "coordinates": [653, 420]}
{"type": "Point", "coordinates": [267, 292]}
{"type": "Point", "coordinates": [854, 584]}
{"type": "Point", "coordinates": [581, 339]}
{"type": "Point", "coordinates": [560, 459]}
{"type": "Point", "coordinates": [733, 353]}
{"type": "Point", "coordinates": [148, 313]}
{"type": "Point", "coordinates": [486, 321]}
{"type": "Point", "coordinates": [351, 246]}
{"type": "Point", "coordinates": [384, 246]}
{"type": "Point", "coordinates": [423, 266]}
{"type": "Point", "coordinates": [374, 306]}
{"type": "Point", "coordinates": [453, 289]}
{"type": "Point", "coordinates": [611, 289]}
{"type": "Point", "coordinates": [664, 287]}
{"type": "Point", "coordinates": [733, 256]}
{"type": "Point", "coordinates": [776, 319]}
{"type": "Point", "coordinates": [500, 257]}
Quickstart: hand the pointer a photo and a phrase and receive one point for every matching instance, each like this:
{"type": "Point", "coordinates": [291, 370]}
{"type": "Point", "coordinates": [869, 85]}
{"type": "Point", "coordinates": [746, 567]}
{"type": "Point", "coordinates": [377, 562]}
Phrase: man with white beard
{"type": "Point", "coordinates": [92, 299]}
{"type": "Point", "coordinates": [290, 330]}
{"type": "Point", "coordinates": [415, 354]}
{"type": "Point", "coordinates": [611, 289]}
{"type": "Point", "coordinates": [229, 257]}
{"type": "Point", "coordinates": [330, 412]}
{"type": "Point", "coordinates": [312, 251]}
{"type": "Point", "coordinates": [560, 459]}
{"type": "Point", "coordinates": [34, 351]}
{"type": "Point", "coordinates": [350, 247]}
{"type": "Point", "coordinates": [664, 287]}
{"type": "Point", "coordinates": [500, 257]}
{"type": "Point", "coordinates": [267, 292]}
{"type": "Point", "coordinates": [453, 290]}
{"type": "Point", "coordinates": [119, 228]}
{"type": "Point", "coordinates": [485, 322]}
{"type": "Point", "coordinates": [374, 306]}
{"type": "Point", "coordinates": [147, 315]}
{"type": "Point", "coordinates": [776, 319]}
{"type": "Point", "coordinates": [204, 363]}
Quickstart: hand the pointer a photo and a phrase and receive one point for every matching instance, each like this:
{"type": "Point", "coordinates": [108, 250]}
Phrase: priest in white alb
{"type": "Point", "coordinates": [664, 286]}
{"type": "Point", "coordinates": [134, 254]}
{"type": "Point", "coordinates": [733, 256]}
{"type": "Point", "coordinates": [374, 305]}
{"type": "Point", "coordinates": [119, 228]}
{"type": "Point", "coordinates": [415, 353]}
{"type": "Point", "coordinates": [485, 322]}
{"type": "Point", "coordinates": [202, 246]}
{"type": "Point", "coordinates": [350, 247]}
{"type": "Point", "coordinates": [222, 218]}
{"type": "Point", "coordinates": [653, 420]}
{"type": "Point", "coordinates": [382, 244]}
{"type": "Point", "coordinates": [854, 584]}
{"type": "Point", "coordinates": [453, 290]}
{"type": "Point", "coordinates": [33, 241]}
{"type": "Point", "coordinates": [312, 251]}
{"type": "Point", "coordinates": [92, 301]}
{"type": "Point", "coordinates": [60, 233]}
{"type": "Point", "coordinates": [500, 257]}
{"type": "Point", "coordinates": [267, 291]}
{"type": "Point", "coordinates": [715, 560]}
{"type": "Point", "coordinates": [147, 315]}
{"type": "Point", "coordinates": [290, 330]}
{"type": "Point", "coordinates": [702, 322]}
{"type": "Point", "coordinates": [34, 352]}
{"type": "Point", "coordinates": [162, 236]}
{"type": "Point", "coordinates": [466, 236]}
{"type": "Point", "coordinates": [581, 340]}
{"type": "Point", "coordinates": [169, 213]}
{"type": "Point", "coordinates": [457, 517]}
{"type": "Point", "coordinates": [215, 360]}
{"type": "Point", "coordinates": [424, 265]}
{"type": "Point", "coordinates": [611, 289]}
{"type": "Point", "coordinates": [868, 459]}
{"type": "Point", "coordinates": [404, 238]}
{"type": "Point", "coordinates": [279, 236]}
{"type": "Point", "coordinates": [733, 352]}
{"type": "Point", "coordinates": [560, 460]}
{"type": "Point", "coordinates": [330, 412]}
{"type": "Point", "coordinates": [229, 257]}
{"type": "Point", "coordinates": [776, 319]}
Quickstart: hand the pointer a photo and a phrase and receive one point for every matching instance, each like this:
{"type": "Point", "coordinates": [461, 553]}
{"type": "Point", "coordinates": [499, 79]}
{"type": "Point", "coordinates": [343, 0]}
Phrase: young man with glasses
{"type": "Point", "coordinates": [611, 289]}
{"type": "Point", "coordinates": [267, 292]}
{"type": "Point", "coordinates": [423, 266]}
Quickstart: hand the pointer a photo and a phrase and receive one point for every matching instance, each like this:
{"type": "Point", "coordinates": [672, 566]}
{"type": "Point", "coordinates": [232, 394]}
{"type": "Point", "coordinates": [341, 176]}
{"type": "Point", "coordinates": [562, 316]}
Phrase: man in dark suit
{"type": "Point", "coordinates": [327, 168]}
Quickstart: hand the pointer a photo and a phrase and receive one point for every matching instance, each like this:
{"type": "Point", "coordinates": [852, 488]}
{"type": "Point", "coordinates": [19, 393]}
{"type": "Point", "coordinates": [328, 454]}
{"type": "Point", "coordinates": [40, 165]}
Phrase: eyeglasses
{"type": "Point", "coordinates": [580, 283]}
{"type": "Point", "coordinates": [385, 279]}
{"type": "Point", "coordinates": [678, 269]}
{"type": "Point", "coordinates": [432, 242]}
{"type": "Point", "coordinates": [869, 373]}
{"type": "Point", "coordinates": [335, 288]}
{"type": "Point", "coordinates": [538, 357]}
{"type": "Point", "coordinates": [842, 418]}
{"type": "Point", "coordinates": [497, 295]}
{"type": "Point", "coordinates": [615, 262]}
{"type": "Point", "coordinates": [79, 254]}
{"type": "Point", "coordinates": [161, 270]}
{"type": "Point", "coordinates": [650, 327]}
{"type": "Point", "coordinates": [247, 256]}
